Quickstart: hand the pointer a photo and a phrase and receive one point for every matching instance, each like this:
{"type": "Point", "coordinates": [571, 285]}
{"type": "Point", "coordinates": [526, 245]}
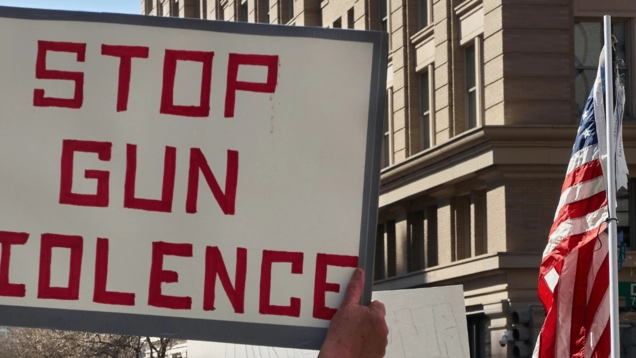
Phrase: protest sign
{"type": "Point", "coordinates": [185, 178]}
{"type": "Point", "coordinates": [423, 323]}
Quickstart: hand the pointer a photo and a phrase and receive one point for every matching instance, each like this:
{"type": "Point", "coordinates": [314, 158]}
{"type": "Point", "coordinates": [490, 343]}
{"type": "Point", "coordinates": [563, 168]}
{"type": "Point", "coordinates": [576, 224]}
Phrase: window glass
{"type": "Point", "coordinates": [471, 87]}
{"type": "Point", "coordinates": [383, 15]}
{"type": "Point", "coordinates": [622, 215]}
{"type": "Point", "coordinates": [422, 13]}
{"type": "Point", "coordinates": [386, 150]}
{"type": "Point", "coordinates": [588, 43]}
{"type": "Point", "coordinates": [379, 272]}
{"type": "Point", "coordinates": [425, 119]}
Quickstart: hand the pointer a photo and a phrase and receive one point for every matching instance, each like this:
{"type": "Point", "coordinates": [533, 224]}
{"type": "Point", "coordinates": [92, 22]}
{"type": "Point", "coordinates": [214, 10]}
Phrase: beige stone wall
{"type": "Point", "coordinates": [530, 211]}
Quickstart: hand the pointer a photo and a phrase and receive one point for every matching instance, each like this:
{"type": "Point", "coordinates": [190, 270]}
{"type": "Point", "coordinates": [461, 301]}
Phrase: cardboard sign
{"type": "Point", "coordinates": [423, 323]}
{"type": "Point", "coordinates": [185, 178]}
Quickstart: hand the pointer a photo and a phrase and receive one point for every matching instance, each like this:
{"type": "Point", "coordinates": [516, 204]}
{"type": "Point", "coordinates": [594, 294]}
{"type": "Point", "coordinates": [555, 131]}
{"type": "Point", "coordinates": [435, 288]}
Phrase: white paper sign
{"type": "Point", "coordinates": [423, 322]}
{"type": "Point", "coordinates": [184, 178]}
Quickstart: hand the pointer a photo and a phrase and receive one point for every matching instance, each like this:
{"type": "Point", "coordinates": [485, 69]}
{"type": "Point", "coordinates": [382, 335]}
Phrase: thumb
{"type": "Point", "coordinates": [354, 289]}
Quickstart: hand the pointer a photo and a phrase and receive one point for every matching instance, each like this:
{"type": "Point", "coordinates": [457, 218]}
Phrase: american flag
{"type": "Point", "coordinates": [574, 273]}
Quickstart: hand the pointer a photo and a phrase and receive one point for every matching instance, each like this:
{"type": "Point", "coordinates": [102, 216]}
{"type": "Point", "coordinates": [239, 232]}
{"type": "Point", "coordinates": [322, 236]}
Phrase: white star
{"type": "Point", "coordinates": [587, 133]}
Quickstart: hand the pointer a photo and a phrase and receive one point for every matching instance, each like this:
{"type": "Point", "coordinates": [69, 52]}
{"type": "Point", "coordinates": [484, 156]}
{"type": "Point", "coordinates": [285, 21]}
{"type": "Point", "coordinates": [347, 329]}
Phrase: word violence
{"type": "Point", "coordinates": [215, 268]}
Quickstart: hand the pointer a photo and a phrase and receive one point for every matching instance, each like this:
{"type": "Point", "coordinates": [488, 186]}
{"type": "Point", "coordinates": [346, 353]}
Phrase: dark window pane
{"type": "Point", "coordinates": [383, 16]}
{"type": "Point", "coordinates": [472, 109]}
{"type": "Point", "coordinates": [426, 136]}
{"type": "Point", "coordinates": [422, 13]}
{"type": "Point", "coordinates": [391, 248]}
{"type": "Point", "coordinates": [425, 112]}
{"type": "Point", "coordinates": [379, 254]}
{"type": "Point", "coordinates": [385, 157]}
{"type": "Point", "coordinates": [470, 67]}
{"type": "Point", "coordinates": [424, 94]}
{"type": "Point", "coordinates": [588, 42]}
{"type": "Point", "coordinates": [385, 151]}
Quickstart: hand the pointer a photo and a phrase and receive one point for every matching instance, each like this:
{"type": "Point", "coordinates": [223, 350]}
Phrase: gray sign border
{"type": "Point", "coordinates": [215, 330]}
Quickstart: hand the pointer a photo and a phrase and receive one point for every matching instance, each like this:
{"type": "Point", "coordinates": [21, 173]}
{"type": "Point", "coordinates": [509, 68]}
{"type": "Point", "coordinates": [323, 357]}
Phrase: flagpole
{"type": "Point", "coordinates": [611, 188]}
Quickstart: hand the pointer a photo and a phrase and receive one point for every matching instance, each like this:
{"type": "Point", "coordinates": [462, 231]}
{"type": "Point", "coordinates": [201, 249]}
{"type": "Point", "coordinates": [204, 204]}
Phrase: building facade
{"type": "Point", "coordinates": [483, 102]}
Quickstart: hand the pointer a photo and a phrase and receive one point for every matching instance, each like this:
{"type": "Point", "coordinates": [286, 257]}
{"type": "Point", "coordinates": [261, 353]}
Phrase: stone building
{"type": "Point", "coordinates": [483, 102]}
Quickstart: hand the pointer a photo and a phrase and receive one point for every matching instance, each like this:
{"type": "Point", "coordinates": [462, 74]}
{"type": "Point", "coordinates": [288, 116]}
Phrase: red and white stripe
{"type": "Point", "coordinates": [573, 279]}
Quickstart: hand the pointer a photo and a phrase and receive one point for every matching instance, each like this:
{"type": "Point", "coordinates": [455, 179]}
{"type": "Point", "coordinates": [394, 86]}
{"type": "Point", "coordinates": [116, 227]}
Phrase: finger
{"type": "Point", "coordinates": [378, 306]}
{"type": "Point", "coordinates": [354, 289]}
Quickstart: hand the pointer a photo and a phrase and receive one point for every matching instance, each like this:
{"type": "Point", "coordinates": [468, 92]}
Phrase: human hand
{"type": "Point", "coordinates": [356, 331]}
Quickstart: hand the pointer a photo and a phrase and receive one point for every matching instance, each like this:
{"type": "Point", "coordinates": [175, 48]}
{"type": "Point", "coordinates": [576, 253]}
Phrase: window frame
{"type": "Point", "coordinates": [630, 63]}
{"type": "Point", "coordinates": [423, 17]}
{"type": "Point", "coordinates": [426, 141]}
{"type": "Point", "coordinates": [386, 158]}
{"type": "Point", "coordinates": [478, 87]}
{"type": "Point", "coordinates": [383, 15]}
{"type": "Point", "coordinates": [243, 12]}
{"type": "Point", "coordinates": [350, 18]}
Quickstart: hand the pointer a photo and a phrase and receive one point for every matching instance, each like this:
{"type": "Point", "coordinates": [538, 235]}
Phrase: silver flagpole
{"type": "Point", "coordinates": [611, 188]}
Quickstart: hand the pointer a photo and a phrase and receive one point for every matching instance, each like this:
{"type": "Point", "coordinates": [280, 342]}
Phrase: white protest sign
{"type": "Point", "coordinates": [423, 322]}
{"type": "Point", "coordinates": [185, 178]}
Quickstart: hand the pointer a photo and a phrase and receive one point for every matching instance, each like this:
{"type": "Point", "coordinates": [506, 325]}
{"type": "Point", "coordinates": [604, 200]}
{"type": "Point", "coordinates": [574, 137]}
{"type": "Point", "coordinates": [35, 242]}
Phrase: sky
{"type": "Point", "coordinates": [116, 6]}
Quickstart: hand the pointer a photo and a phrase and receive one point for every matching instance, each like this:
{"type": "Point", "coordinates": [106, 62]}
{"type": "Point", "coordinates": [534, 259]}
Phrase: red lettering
{"type": "Point", "coordinates": [100, 294]}
{"type": "Point", "coordinates": [269, 257]}
{"type": "Point", "coordinates": [158, 276]}
{"type": "Point", "coordinates": [227, 200]}
{"type": "Point", "coordinates": [125, 54]}
{"type": "Point", "coordinates": [76, 245]}
{"type": "Point", "coordinates": [214, 266]}
{"type": "Point", "coordinates": [42, 73]}
{"type": "Point", "coordinates": [321, 286]}
{"type": "Point", "coordinates": [167, 192]}
{"type": "Point", "coordinates": [233, 84]}
{"type": "Point", "coordinates": [6, 240]}
{"type": "Point", "coordinates": [169, 74]}
{"type": "Point", "coordinates": [100, 198]}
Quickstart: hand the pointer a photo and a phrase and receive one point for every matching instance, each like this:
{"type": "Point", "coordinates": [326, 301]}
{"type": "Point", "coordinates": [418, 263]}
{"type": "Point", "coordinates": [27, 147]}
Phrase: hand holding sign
{"type": "Point", "coordinates": [356, 330]}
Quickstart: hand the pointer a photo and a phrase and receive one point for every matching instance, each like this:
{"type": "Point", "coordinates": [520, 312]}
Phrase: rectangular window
{"type": "Point", "coordinates": [337, 24]}
{"type": "Point", "coordinates": [422, 14]}
{"type": "Point", "coordinates": [391, 248]}
{"type": "Point", "coordinates": [220, 13]}
{"type": "Point", "coordinates": [477, 337]}
{"type": "Point", "coordinates": [431, 236]}
{"type": "Point", "coordinates": [462, 226]}
{"type": "Point", "coordinates": [290, 10]}
{"type": "Point", "coordinates": [148, 7]}
{"type": "Point", "coordinates": [242, 14]}
{"type": "Point", "coordinates": [588, 43]}
{"type": "Point", "coordinates": [174, 11]}
{"type": "Point", "coordinates": [379, 267]}
{"type": "Point", "coordinates": [386, 140]}
{"type": "Point", "coordinates": [425, 112]}
{"type": "Point", "coordinates": [384, 19]}
{"type": "Point", "coordinates": [471, 87]}
{"type": "Point", "coordinates": [191, 8]}
{"type": "Point", "coordinates": [263, 11]}
{"type": "Point", "coordinates": [415, 241]}
{"type": "Point", "coordinates": [478, 213]}
{"type": "Point", "coordinates": [350, 20]}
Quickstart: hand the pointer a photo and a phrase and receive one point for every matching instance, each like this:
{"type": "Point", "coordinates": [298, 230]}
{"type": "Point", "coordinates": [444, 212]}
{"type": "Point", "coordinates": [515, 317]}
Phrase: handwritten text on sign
{"type": "Point", "coordinates": [193, 176]}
